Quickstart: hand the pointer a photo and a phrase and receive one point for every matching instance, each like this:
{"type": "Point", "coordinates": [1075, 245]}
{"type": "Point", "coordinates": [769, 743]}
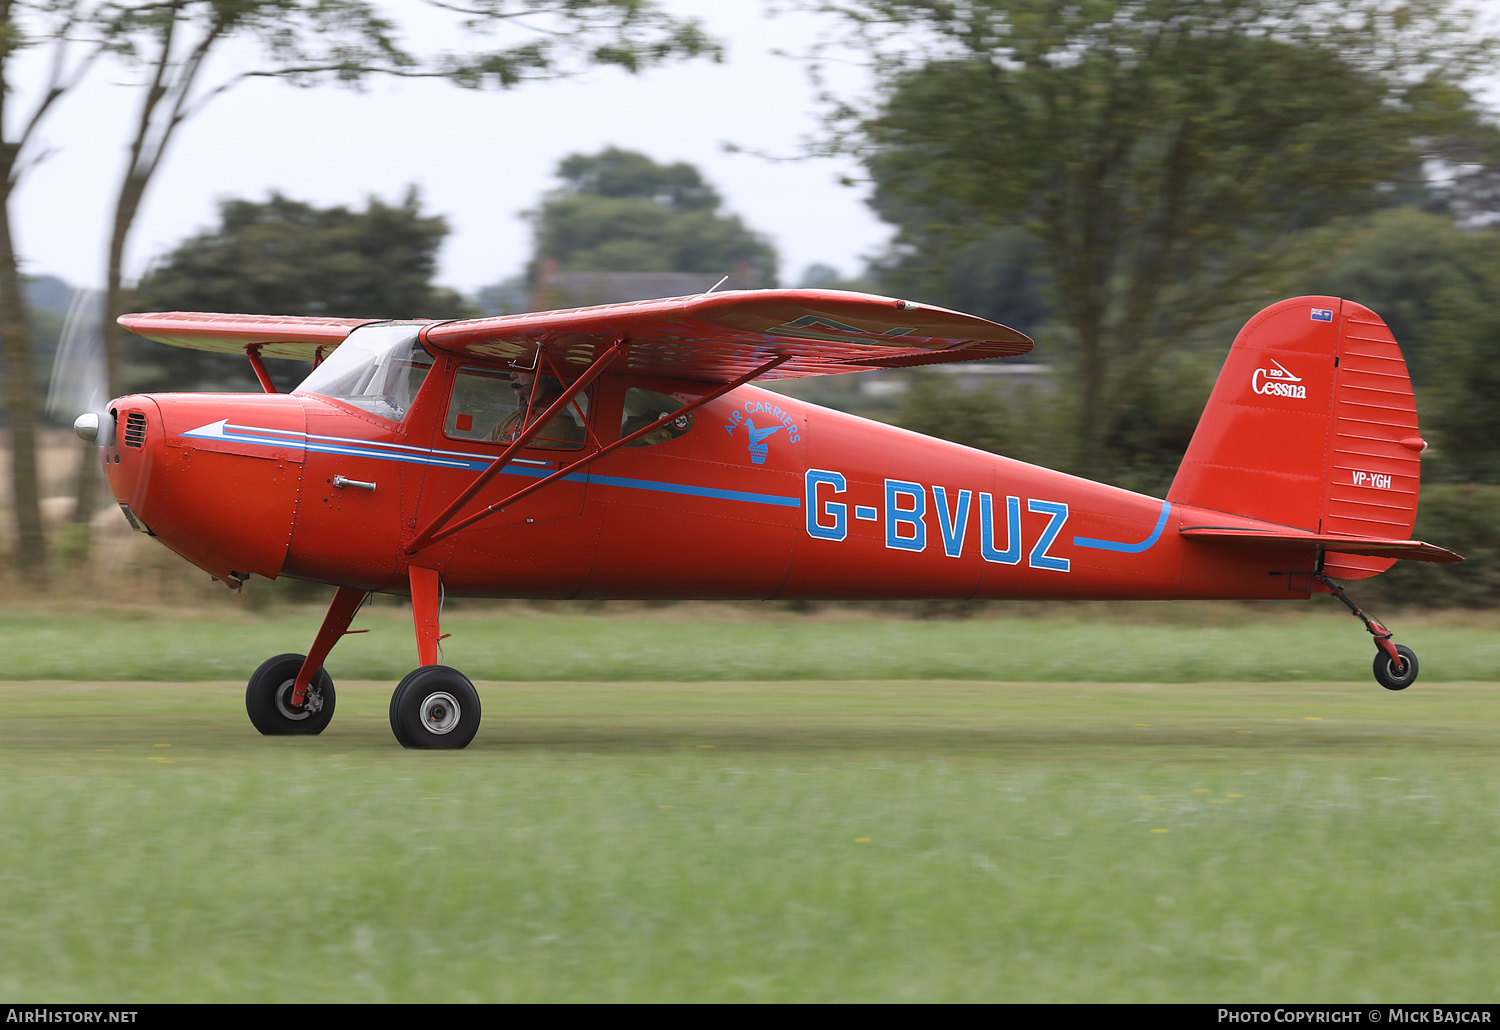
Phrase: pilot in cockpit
{"type": "Point", "coordinates": [562, 431]}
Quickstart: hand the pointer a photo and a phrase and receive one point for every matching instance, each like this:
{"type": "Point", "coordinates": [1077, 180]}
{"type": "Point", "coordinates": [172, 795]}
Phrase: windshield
{"type": "Point", "coordinates": [378, 368]}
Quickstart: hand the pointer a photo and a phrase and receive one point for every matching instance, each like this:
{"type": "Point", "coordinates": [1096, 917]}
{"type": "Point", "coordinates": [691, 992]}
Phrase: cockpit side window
{"type": "Point", "coordinates": [491, 405]}
{"type": "Point", "coordinates": [378, 368]}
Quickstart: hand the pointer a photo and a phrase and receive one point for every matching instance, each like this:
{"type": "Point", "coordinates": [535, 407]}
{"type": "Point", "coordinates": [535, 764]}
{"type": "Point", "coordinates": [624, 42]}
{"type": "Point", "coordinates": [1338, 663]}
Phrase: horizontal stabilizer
{"type": "Point", "coordinates": [1370, 546]}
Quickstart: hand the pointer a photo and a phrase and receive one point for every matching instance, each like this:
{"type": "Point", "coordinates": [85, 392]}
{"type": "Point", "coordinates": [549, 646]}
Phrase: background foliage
{"type": "Point", "coordinates": [620, 211]}
{"type": "Point", "coordinates": [286, 257]}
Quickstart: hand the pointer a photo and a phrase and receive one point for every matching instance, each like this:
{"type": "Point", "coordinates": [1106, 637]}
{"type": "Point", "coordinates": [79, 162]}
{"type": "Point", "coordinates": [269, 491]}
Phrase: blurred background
{"type": "Point", "coordinates": [1125, 182]}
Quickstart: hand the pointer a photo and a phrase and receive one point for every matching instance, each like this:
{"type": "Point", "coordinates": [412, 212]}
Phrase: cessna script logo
{"type": "Point", "coordinates": [1277, 382]}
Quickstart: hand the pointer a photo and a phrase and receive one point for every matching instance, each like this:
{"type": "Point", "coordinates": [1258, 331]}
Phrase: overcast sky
{"type": "Point", "coordinates": [479, 158]}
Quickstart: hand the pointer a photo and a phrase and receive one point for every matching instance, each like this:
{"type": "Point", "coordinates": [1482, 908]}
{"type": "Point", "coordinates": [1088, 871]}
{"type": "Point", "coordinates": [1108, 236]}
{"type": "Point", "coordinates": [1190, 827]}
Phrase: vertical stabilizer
{"type": "Point", "coordinates": [1311, 424]}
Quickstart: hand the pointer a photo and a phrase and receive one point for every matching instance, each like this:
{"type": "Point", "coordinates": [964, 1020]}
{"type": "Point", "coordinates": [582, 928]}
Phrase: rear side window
{"type": "Point", "coordinates": [643, 407]}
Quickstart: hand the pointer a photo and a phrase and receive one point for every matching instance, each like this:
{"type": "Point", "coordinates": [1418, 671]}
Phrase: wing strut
{"type": "Point", "coordinates": [252, 351]}
{"type": "Point", "coordinates": [431, 535]}
{"type": "Point", "coordinates": [426, 536]}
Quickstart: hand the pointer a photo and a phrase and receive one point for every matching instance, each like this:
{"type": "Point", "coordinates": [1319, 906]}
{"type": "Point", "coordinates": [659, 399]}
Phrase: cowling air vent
{"type": "Point", "coordinates": [135, 429]}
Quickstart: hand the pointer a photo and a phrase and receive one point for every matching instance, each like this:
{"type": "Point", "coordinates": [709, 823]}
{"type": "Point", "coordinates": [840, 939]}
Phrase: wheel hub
{"type": "Point", "coordinates": [440, 712]}
{"type": "Point", "coordinates": [312, 704]}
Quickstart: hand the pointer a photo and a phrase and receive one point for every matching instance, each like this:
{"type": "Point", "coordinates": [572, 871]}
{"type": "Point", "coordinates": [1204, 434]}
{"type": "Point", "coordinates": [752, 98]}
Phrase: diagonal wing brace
{"type": "Point", "coordinates": [427, 535]}
{"type": "Point", "coordinates": [435, 531]}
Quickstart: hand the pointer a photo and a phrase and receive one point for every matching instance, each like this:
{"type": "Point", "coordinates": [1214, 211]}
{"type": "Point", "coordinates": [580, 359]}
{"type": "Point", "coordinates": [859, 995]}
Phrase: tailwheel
{"type": "Point", "coordinates": [434, 708]}
{"type": "Point", "coordinates": [1391, 675]}
{"type": "Point", "coordinates": [268, 699]}
{"type": "Point", "coordinates": [1395, 664]}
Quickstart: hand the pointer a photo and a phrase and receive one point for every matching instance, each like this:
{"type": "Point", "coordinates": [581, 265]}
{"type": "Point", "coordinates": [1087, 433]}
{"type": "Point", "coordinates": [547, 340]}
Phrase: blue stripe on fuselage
{"type": "Point", "coordinates": [461, 460]}
{"type": "Point", "coordinates": [1144, 545]}
{"type": "Point", "coordinates": [695, 491]}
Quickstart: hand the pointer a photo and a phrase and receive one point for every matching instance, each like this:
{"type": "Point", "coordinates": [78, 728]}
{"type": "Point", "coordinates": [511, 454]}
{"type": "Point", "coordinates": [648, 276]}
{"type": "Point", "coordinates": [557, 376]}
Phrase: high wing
{"type": "Point", "coordinates": [714, 337]}
{"type": "Point", "coordinates": [717, 337]}
{"type": "Point", "coordinates": [298, 337]}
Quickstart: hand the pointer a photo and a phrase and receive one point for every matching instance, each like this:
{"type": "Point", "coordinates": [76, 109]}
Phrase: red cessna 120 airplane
{"type": "Point", "coordinates": [622, 452]}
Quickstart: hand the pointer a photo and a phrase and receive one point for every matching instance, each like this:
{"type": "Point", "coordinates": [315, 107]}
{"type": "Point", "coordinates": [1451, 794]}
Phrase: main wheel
{"type": "Point", "coordinates": [435, 707]}
{"type": "Point", "coordinates": [268, 698]}
{"type": "Point", "coordinates": [1392, 676]}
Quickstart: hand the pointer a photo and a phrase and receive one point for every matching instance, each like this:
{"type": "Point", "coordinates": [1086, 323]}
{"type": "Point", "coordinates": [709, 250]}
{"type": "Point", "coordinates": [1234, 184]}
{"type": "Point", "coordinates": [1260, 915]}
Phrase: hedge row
{"type": "Point", "coordinates": [1463, 518]}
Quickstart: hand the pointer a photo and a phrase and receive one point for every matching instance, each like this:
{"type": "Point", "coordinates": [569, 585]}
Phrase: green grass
{"type": "Point", "coordinates": [734, 840]}
{"type": "Point", "coordinates": [1166, 643]}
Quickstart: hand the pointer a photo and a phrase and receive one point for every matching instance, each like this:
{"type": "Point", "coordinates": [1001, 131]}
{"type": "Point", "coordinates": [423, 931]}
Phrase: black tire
{"type": "Point", "coordinates": [1391, 676]}
{"type": "Point", "coordinates": [435, 708]}
{"type": "Point", "coordinates": [267, 699]}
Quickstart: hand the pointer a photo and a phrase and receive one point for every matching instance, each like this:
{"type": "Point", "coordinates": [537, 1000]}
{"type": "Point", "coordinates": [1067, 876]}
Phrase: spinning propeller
{"type": "Point", "coordinates": [80, 374]}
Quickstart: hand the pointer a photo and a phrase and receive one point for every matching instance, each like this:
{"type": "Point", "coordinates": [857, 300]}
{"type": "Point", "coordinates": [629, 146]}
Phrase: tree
{"type": "Point", "coordinates": [1404, 264]}
{"type": "Point", "coordinates": [56, 26]}
{"type": "Point", "coordinates": [1165, 155]}
{"type": "Point", "coordinates": [1466, 370]}
{"type": "Point", "coordinates": [284, 256]}
{"type": "Point", "coordinates": [291, 258]}
{"type": "Point", "coordinates": [619, 211]}
{"type": "Point", "coordinates": [997, 274]}
{"type": "Point", "coordinates": [1436, 286]}
{"type": "Point", "coordinates": [625, 174]}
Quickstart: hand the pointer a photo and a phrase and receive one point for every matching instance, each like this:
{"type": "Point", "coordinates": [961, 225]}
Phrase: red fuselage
{"type": "Point", "coordinates": [764, 496]}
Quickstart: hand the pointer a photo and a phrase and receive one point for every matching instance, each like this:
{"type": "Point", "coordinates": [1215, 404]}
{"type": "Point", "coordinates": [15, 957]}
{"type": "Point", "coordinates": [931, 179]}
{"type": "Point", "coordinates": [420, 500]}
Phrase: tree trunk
{"type": "Point", "coordinates": [20, 402]}
{"type": "Point", "coordinates": [86, 494]}
{"type": "Point", "coordinates": [1090, 457]}
{"type": "Point", "coordinates": [115, 300]}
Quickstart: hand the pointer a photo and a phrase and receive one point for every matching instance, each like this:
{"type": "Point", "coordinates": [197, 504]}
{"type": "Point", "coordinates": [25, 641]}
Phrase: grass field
{"type": "Point", "coordinates": [735, 840]}
{"type": "Point", "coordinates": [1165, 643]}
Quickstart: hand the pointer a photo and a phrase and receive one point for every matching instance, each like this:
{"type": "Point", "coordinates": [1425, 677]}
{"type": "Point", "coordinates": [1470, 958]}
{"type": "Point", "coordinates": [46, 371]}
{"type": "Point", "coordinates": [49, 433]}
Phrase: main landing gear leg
{"type": "Point", "coordinates": [1395, 664]}
{"type": "Point", "coordinates": [434, 707]}
{"type": "Point", "coordinates": [291, 694]}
